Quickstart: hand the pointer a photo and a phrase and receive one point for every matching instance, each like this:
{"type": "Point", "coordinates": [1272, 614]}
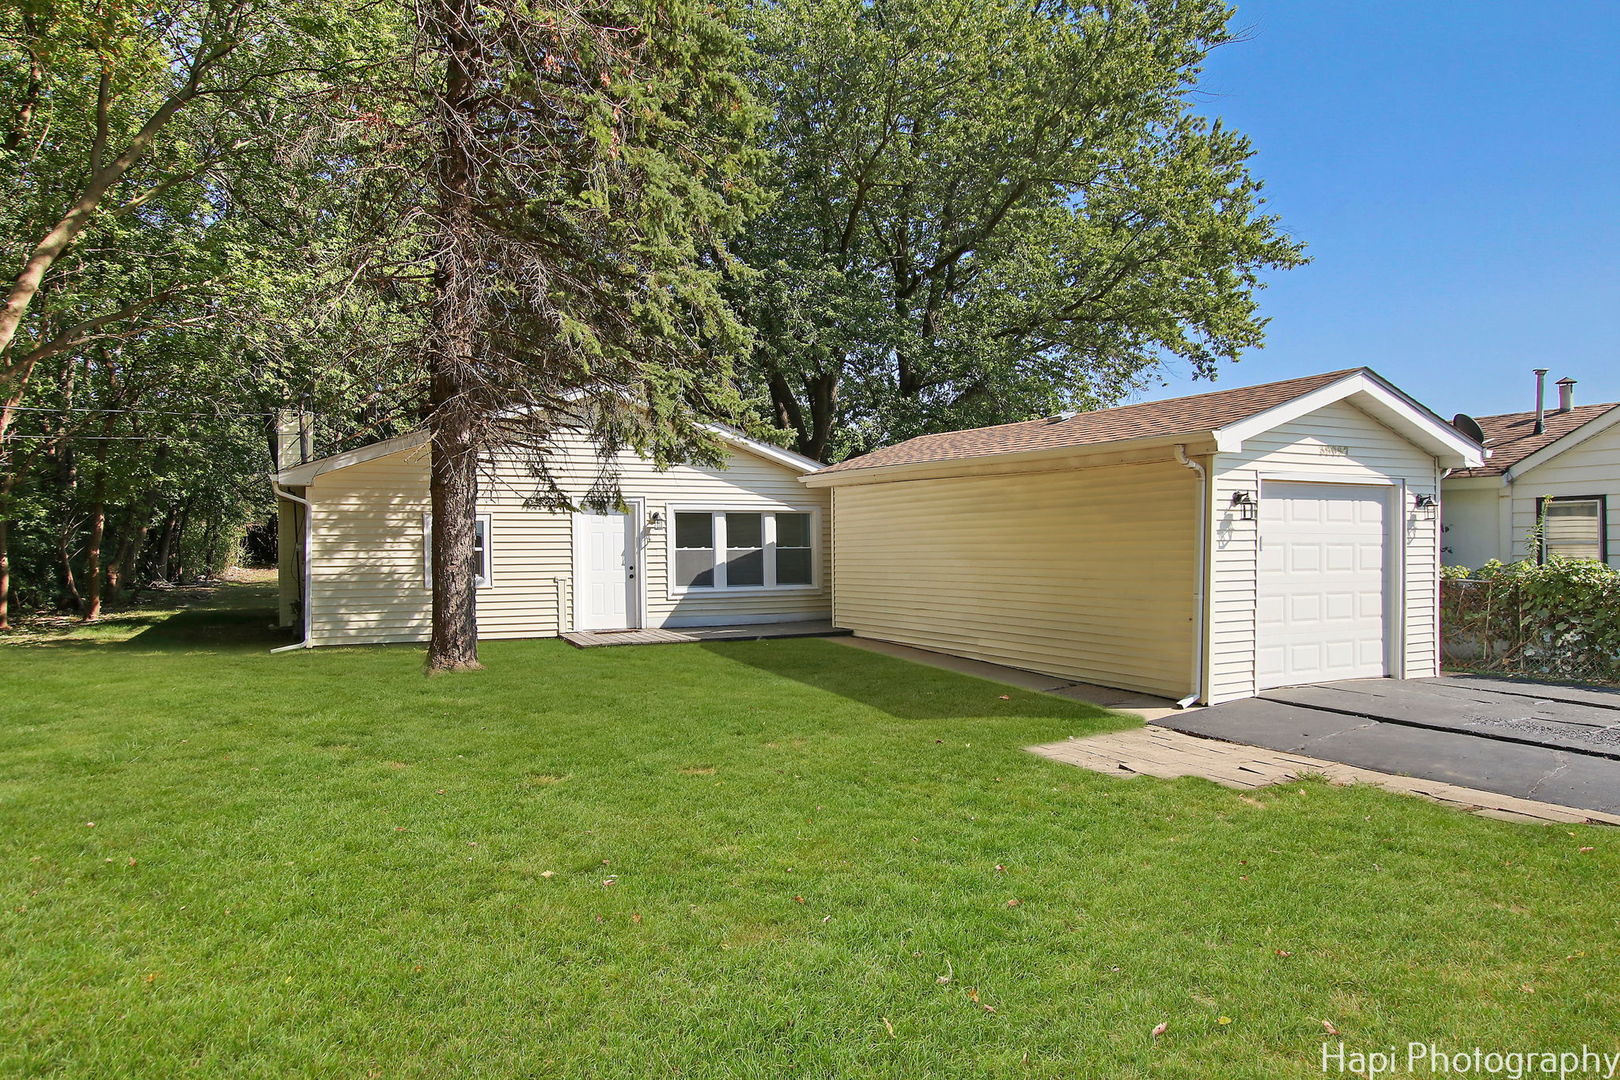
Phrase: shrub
{"type": "Point", "coordinates": [1560, 618]}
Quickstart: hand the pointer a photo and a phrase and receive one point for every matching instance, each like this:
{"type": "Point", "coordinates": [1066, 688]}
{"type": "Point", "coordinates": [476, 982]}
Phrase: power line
{"type": "Point", "coordinates": [218, 415]}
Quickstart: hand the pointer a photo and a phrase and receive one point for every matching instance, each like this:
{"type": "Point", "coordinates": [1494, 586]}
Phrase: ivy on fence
{"type": "Point", "coordinates": [1560, 618]}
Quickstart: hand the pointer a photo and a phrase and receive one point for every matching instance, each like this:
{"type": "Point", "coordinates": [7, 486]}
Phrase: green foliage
{"type": "Point", "coordinates": [1559, 618]}
{"type": "Point", "coordinates": [988, 210]}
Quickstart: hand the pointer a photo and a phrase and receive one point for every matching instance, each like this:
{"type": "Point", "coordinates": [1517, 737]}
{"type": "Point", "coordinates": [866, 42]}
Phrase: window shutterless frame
{"type": "Point", "coordinates": [719, 543]}
{"type": "Point", "coordinates": [485, 535]}
{"type": "Point", "coordinates": [1600, 504]}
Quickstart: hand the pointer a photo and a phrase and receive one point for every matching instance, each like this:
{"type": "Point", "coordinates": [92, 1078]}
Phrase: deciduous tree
{"type": "Point", "coordinates": [988, 210]}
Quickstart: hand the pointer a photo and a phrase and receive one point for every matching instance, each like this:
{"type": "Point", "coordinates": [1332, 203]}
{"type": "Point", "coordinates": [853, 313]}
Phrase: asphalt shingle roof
{"type": "Point", "coordinates": [1511, 437]}
{"type": "Point", "coordinates": [1175, 416]}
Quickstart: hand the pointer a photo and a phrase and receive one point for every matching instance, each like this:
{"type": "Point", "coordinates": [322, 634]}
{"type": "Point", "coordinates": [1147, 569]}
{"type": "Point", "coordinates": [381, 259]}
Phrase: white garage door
{"type": "Point", "coordinates": [1322, 581]}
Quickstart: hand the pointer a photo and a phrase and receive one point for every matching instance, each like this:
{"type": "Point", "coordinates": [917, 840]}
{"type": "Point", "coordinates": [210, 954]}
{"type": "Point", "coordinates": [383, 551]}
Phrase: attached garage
{"type": "Point", "coordinates": [1202, 548]}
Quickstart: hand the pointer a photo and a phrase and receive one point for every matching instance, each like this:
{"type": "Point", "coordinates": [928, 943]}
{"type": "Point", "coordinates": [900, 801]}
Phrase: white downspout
{"type": "Point", "coordinates": [1199, 575]}
{"type": "Point", "coordinates": [304, 574]}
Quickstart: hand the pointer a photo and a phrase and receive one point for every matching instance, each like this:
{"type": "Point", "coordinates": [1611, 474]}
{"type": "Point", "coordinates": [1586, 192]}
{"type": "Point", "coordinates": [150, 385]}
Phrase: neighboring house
{"type": "Point", "coordinates": [1203, 548]}
{"type": "Point", "coordinates": [1560, 467]}
{"type": "Point", "coordinates": [745, 543]}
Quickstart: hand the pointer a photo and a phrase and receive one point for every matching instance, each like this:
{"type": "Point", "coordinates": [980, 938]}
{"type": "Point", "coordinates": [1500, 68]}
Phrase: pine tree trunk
{"type": "Point", "coordinates": [454, 474]}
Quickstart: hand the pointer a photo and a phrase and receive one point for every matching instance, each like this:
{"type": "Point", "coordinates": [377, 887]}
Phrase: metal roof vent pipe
{"type": "Point", "coordinates": [1566, 394]}
{"type": "Point", "coordinates": [1541, 400]}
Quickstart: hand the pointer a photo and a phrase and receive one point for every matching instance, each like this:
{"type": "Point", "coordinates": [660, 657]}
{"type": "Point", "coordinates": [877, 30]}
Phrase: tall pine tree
{"type": "Point", "coordinates": [586, 162]}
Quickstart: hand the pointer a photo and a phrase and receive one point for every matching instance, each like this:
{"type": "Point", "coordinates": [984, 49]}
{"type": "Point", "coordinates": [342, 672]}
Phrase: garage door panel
{"type": "Point", "coordinates": [1321, 609]}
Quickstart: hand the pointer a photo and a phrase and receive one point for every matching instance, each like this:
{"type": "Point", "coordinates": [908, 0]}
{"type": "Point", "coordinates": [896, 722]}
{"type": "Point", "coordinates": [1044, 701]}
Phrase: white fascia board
{"type": "Point", "coordinates": [1595, 426]}
{"type": "Point", "coordinates": [1375, 397]}
{"type": "Point", "coordinates": [787, 458]}
{"type": "Point", "coordinates": [303, 475]}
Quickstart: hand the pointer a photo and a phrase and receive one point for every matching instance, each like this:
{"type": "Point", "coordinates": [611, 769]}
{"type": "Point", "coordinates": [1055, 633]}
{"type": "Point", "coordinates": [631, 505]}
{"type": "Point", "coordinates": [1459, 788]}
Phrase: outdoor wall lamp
{"type": "Point", "coordinates": [1246, 506]}
{"type": "Point", "coordinates": [656, 519]}
{"type": "Point", "coordinates": [1424, 504]}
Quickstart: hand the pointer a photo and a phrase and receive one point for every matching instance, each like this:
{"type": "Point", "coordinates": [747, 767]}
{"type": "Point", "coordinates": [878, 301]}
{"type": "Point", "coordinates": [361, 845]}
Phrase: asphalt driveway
{"type": "Point", "coordinates": [1556, 743]}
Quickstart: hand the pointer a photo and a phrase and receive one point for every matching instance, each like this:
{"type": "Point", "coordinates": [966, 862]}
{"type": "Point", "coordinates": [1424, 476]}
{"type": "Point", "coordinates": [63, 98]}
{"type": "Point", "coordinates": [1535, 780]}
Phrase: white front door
{"type": "Point", "coordinates": [605, 572]}
{"type": "Point", "coordinates": [1323, 575]}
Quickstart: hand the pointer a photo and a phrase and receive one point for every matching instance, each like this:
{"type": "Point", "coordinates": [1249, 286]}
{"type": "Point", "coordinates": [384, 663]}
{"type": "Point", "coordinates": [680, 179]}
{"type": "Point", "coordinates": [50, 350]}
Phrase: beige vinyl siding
{"type": "Point", "coordinates": [1469, 522]}
{"type": "Point", "coordinates": [1338, 443]}
{"type": "Point", "coordinates": [368, 545]}
{"type": "Point", "coordinates": [1589, 468]}
{"type": "Point", "coordinates": [366, 552]}
{"type": "Point", "coordinates": [1085, 574]}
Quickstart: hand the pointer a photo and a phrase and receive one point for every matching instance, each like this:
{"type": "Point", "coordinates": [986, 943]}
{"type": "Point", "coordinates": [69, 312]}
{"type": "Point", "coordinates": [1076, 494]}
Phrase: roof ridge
{"type": "Point", "coordinates": [1189, 413]}
{"type": "Point", "coordinates": [1250, 388]}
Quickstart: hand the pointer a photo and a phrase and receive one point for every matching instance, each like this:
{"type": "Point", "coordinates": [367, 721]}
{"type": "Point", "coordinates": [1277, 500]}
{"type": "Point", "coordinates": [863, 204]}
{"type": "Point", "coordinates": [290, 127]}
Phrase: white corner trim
{"type": "Point", "coordinates": [1595, 426]}
{"type": "Point", "coordinates": [1388, 405]}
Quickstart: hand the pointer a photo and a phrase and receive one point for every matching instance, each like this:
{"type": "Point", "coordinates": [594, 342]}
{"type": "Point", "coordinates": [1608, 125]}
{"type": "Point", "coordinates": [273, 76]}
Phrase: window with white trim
{"type": "Point", "coordinates": [1574, 527]}
{"type": "Point", "coordinates": [481, 550]}
{"type": "Point", "coordinates": [742, 549]}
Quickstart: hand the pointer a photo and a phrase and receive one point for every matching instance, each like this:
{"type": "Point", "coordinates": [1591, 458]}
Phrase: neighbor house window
{"type": "Point", "coordinates": [1574, 528]}
{"type": "Point", "coordinates": [481, 546]}
{"type": "Point", "coordinates": [742, 549]}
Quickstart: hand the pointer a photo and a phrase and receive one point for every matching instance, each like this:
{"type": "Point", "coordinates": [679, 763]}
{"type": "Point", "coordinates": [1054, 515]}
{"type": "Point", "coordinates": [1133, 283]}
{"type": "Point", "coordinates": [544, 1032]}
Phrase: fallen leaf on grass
{"type": "Point", "coordinates": [548, 873]}
{"type": "Point", "coordinates": [1006, 697]}
{"type": "Point", "coordinates": [635, 917]}
{"type": "Point", "coordinates": [1585, 849]}
{"type": "Point", "coordinates": [973, 995]}
{"type": "Point", "coordinates": [1014, 903]}
{"type": "Point", "coordinates": [1283, 953]}
{"type": "Point", "coordinates": [1223, 1020]}
{"type": "Point", "coordinates": [1160, 1028]}
{"type": "Point", "coordinates": [888, 1025]}
{"type": "Point", "coordinates": [1327, 1026]}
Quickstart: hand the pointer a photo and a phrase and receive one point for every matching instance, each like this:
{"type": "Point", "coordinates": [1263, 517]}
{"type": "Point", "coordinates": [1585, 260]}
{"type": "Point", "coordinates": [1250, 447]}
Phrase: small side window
{"type": "Point", "coordinates": [482, 545]}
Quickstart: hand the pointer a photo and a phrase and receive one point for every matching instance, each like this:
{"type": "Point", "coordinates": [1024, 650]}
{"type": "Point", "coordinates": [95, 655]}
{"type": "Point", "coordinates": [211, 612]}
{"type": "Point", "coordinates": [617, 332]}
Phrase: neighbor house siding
{"type": "Point", "coordinates": [1469, 518]}
{"type": "Point", "coordinates": [1589, 468]}
{"type": "Point", "coordinates": [1339, 443]}
{"type": "Point", "coordinates": [1084, 574]}
{"type": "Point", "coordinates": [368, 550]}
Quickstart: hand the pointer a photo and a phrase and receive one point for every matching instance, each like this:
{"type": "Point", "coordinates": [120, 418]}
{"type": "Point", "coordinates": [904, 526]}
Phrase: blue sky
{"type": "Point", "coordinates": [1454, 168]}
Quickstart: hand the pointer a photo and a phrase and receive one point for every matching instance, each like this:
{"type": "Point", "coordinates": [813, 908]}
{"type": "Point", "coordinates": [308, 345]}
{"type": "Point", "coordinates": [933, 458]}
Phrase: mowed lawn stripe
{"type": "Point", "coordinates": [738, 859]}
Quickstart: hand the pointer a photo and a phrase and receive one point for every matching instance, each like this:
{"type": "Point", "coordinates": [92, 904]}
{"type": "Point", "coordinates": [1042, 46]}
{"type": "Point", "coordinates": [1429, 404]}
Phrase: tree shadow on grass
{"type": "Point", "coordinates": [211, 630]}
{"type": "Point", "coordinates": [233, 618]}
{"type": "Point", "coordinates": [902, 688]}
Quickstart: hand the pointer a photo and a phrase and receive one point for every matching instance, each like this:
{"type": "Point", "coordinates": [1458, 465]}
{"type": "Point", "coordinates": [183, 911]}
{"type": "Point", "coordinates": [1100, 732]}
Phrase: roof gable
{"type": "Point", "coordinates": [1226, 416]}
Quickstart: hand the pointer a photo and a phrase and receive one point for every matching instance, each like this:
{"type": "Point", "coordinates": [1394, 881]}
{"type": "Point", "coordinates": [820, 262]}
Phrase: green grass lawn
{"type": "Point", "coordinates": [783, 858]}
